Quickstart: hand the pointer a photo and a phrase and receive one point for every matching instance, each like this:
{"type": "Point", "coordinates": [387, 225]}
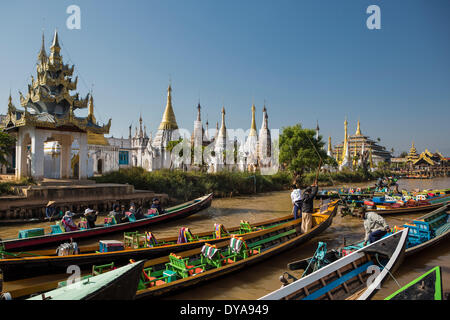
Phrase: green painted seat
{"type": "Point", "coordinates": [238, 249]}
{"type": "Point", "coordinates": [182, 268]}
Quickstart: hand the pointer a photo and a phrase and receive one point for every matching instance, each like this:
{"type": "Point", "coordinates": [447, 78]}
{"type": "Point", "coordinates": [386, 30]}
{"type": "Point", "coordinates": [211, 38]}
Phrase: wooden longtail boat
{"type": "Point", "coordinates": [118, 284]}
{"type": "Point", "coordinates": [434, 203]}
{"type": "Point", "coordinates": [426, 287]}
{"type": "Point", "coordinates": [172, 273]}
{"type": "Point", "coordinates": [257, 247]}
{"type": "Point", "coordinates": [177, 212]}
{"type": "Point", "coordinates": [348, 278]}
{"type": "Point", "coordinates": [423, 232]}
{"type": "Point", "coordinates": [427, 230]}
{"type": "Point", "coordinates": [32, 263]}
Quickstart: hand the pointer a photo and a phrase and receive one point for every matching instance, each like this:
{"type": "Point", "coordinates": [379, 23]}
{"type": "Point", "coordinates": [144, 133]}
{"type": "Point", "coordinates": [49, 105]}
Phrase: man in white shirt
{"type": "Point", "coordinates": [296, 197]}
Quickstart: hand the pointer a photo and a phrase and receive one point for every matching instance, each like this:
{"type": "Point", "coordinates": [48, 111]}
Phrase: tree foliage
{"type": "Point", "coordinates": [298, 151]}
{"type": "Point", "coordinates": [7, 143]}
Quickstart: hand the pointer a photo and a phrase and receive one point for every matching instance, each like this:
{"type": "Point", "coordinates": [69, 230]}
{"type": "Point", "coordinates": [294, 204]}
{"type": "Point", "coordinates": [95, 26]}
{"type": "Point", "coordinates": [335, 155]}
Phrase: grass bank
{"type": "Point", "coordinates": [189, 185]}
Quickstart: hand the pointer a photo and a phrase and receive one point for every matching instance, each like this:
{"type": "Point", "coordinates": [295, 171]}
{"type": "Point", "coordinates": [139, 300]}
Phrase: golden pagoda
{"type": "Point", "coordinates": [412, 155]}
{"type": "Point", "coordinates": [48, 103]}
{"type": "Point", "coordinates": [356, 144]}
{"type": "Point", "coordinates": [169, 121]}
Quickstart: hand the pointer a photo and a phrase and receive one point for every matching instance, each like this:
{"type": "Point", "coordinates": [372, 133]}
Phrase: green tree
{"type": "Point", "coordinates": [298, 151]}
{"type": "Point", "coordinates": [7, 143]}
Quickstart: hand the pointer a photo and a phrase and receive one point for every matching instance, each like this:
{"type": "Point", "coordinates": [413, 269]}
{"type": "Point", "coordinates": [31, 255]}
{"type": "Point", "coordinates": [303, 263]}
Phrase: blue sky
{"type": "Point", "coordinates": [310, 60]}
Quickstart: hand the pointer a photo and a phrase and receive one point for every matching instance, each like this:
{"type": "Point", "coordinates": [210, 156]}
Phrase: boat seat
{"type": "Point", "coordinates": [211, 256]}
{"type": "Point", "coordinates": [155, 283]}
{"type": "Point", "coordinates": [181, 266]}
{"type": "Point", "coordinates": [238, 248]}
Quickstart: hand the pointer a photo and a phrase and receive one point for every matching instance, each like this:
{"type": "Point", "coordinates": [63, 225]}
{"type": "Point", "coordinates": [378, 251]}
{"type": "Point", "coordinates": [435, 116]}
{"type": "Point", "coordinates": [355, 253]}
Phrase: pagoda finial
{"type": "Point", "coordinates": [141, 133]}
{"type": "Point", "coordinates": [91, 109]}
{"type": "Point", "coordinates": [358, 129]}
{"type": "Point", "coordinates": [11, 107]}
{"type": "Point", "coordinates": [253, 125]}
{"type": "Point", "coordinates": [42, 56]}
{"type": "Point", "coordinates": [55, 49]}
{"type": "Point", "coordinates": [169, 121]}
{"type": "Point", "coordinates": [223, 127]}
{"type": "Point", "coordinates": [198, 112]}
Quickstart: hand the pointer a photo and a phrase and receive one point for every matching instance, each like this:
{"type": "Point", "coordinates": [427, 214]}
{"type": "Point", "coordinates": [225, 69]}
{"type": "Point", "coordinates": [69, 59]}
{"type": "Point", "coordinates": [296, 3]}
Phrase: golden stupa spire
{"type": "Point", "coordinates": [11, 107]}
{"type": "Point", "coordinates": [55, 49]}
{"type": "Point", "coordinates": [42, 56]}
{"type": "Point", "coordinates": [253, 125]}
{"type": "Point", "coordinates": [91, 109]}
{"type": "Point", "coordinates": [344, 150]}
{"type": "Point", "coordinates": [169, 121]}
{"type": "Point", "coordinates": [358, 129]}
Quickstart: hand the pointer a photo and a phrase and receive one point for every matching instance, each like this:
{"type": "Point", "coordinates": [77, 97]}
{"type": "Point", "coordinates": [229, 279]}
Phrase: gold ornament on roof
{"type": "Point", "coordinates": [169, 121]}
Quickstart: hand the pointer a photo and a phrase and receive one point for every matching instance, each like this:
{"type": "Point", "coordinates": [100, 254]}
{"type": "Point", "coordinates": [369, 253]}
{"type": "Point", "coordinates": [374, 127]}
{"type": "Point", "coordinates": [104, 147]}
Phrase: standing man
{"type": "Point", "coordinates": [308, 206]}
{"type": "Point", "coordinates": [296, 197]}
{"type": "Point", "coordinates": [374, 225]}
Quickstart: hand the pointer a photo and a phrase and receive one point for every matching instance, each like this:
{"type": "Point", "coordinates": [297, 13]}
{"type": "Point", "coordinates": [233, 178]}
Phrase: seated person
{"type": "Point", "coordinates": [91, 217]}
{"type": "Point", "coordinates": [68, 223]}
{"type": "Point", "coordinates": [156, 205]}
{"type": "Point", "coordinates": [131, 213]}
{"type": "Point", "coordinates": [123, 216]}
{"type": "Point", "coordinates": [139, 214]}
{"type": "Point", "coordinates": [116, 213]}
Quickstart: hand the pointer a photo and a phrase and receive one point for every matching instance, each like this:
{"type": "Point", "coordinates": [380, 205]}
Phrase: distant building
{"type": "Point", "coordinates": [353, 146]}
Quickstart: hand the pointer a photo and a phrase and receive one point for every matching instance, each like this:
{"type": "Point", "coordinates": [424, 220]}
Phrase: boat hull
{"type": "Point", "coordinates": [167, 289]}
{"type": "Point", "coordinates": [347, 278]}
{"type": "Point", "coordinates": [41, 241]}
{"type": "Point", "coordinates": [20, 268]}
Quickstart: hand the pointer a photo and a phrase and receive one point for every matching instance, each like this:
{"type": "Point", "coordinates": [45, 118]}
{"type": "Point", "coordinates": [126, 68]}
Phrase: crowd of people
{"type": "Point", "coordinates": [118, 215]}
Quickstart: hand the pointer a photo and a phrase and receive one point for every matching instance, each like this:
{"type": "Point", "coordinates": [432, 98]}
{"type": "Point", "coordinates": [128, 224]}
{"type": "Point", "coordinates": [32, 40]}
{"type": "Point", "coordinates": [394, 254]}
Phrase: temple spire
{"type": "Point", "coordinates": [253, 125]}
{"type": "Point", "coordinates": [42, 56]}
{"type": "Point", "coordinates": [265, 124]}
{"type": "Point", "coordinates": [358, 129]}
{"type": "Point", "coordinates": [169, 121]}
{"type": "Point", "coordinates": [345, 150]}
{"type": "Point", "coordinates": [55, 57]}
{"type": "Point", "coordinates": [91, 109]}
{"type": "Point", "coordinates": [223, 128]}
{"type": "Point", "coordinates": [11, 107]}
{"type": "Point", "coordinates": [141, 134]}
{"type": "Point", "coordinates": [198, 112]}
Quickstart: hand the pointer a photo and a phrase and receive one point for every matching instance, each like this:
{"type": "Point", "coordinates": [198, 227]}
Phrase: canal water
{"type": "Point", "coordinates": [258, 280]}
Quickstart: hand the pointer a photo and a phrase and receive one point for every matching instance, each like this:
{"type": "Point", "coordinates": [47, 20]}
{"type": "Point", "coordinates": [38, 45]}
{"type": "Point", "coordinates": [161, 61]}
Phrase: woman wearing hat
{"type": "Point", "coordinates": [91, 217]}
{"type": "Point", "coordinates": [68, 223]}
